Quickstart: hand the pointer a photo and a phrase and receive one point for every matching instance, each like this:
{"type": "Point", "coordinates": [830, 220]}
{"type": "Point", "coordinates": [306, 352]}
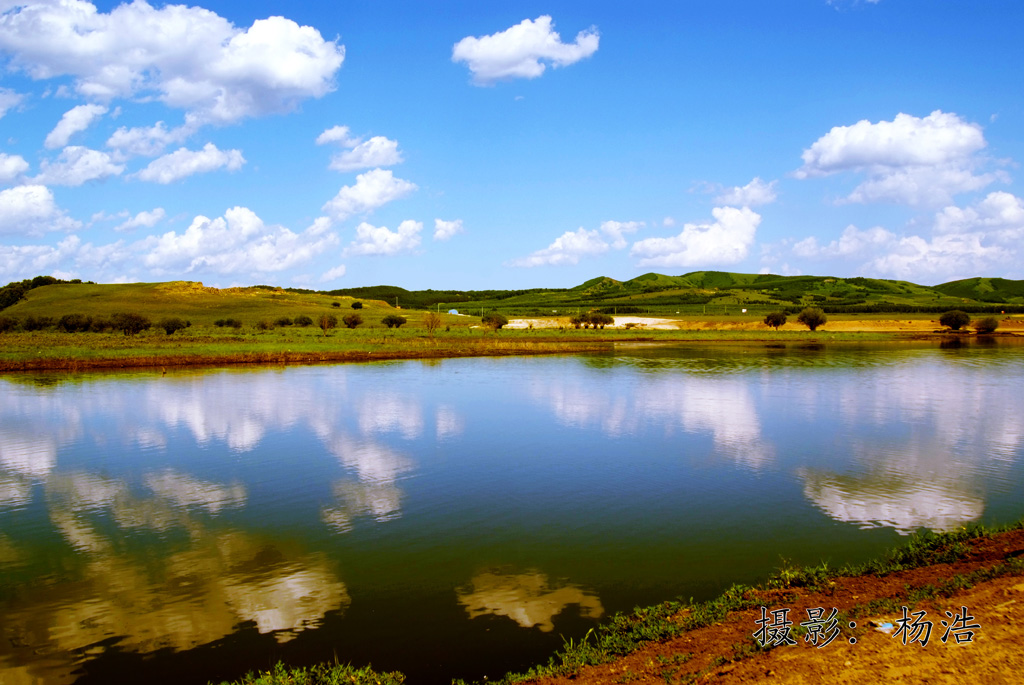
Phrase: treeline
{"type": "Point", "coordinates": [885, 308]}
{"type": "Point", "coordinates": [14, 292]}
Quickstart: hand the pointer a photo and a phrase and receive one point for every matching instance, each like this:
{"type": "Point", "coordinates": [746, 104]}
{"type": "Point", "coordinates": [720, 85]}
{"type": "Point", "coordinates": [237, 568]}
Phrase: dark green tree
{"type": "Point", "coordinates": [494, 320]}
{"type": "Point", "coordinates": [954, 319]}
{"type": "Point", "coordinates": [812, 317]}
{"type": "Point", "coordinates": [987, 325]}
{"type": "Point", "coordinates": [393, 321]}
{"type": "Point", "coordinates": [775, 320]}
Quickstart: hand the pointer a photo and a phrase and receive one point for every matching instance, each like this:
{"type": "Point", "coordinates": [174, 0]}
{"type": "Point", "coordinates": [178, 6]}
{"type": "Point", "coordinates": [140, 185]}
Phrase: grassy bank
{"type": "Point", "coordinates": [624, 634]}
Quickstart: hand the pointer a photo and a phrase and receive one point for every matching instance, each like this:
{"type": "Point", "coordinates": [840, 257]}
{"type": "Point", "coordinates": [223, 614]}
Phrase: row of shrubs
{"type": "Point", "coordinates": [127, 323]}
{"type": "Point", "coordinates": [812, 317]}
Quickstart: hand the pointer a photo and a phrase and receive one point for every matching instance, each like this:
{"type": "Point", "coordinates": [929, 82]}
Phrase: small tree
{"type": "Point", "coordinates": [327, 322]}
{"type": "Point", "coordinates": [494, 320]}
{"type": "Point", "coordinates": [74, 323]}
{"type": "Point", "coordinates": [335, 304]}
{"type": "Point", "coordinates": [357, 305]}
{"type": "Point", "coordinates": [775, 320]}
{"type": "Point", "coordinates": [432, 321]}
{"type": "Point", "coordinates": [284, 321]}
{"type": "Point", "coordinates": [7, 323]}
{"type": "Point", "coordinates": [172, 325]}
{"type": "Point", "coordinates": [393, 321]}
{"type": "Point", "coordinates": [303, 320]}
{"type": "Point", "coordinates": [955, 319]}
{"type": "Point", "coordinates": [987, 325]}
{"type": "Point", "coordinates": [264, 325]}
{"type": "Point", "coordinates": [812, 317]}
{"type": "Point", "coordinates": [130, 324]}
{"type": "Point", "coordinates": [351, 320]}
{"type": "Point", "coordinates": [600, 319]}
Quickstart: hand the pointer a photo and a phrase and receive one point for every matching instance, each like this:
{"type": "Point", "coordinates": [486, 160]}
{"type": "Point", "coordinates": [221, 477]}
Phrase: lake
{"type": "Point", "coordinates": [460, 518]}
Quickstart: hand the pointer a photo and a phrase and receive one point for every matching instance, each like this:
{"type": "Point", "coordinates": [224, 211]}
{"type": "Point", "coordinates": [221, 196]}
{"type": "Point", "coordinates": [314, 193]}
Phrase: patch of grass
{"type": "Point", "coordinates": [321, 674]}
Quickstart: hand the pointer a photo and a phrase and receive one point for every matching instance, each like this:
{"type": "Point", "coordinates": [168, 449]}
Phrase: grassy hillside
{"type": "Point", "coordinates": [985, 290]}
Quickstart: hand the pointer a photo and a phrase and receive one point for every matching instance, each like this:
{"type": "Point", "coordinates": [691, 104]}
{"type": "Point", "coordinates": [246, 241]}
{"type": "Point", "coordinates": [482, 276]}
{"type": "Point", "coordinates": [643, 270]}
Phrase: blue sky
{"type": "Point", "coordinates": [460, 145]}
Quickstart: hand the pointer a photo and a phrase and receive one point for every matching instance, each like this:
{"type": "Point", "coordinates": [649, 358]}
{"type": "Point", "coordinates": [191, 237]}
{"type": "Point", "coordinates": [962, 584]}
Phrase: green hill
{"type": "Point", "coordinates": [994, 290]}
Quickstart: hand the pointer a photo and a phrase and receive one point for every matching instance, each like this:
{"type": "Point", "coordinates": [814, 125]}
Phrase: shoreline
{"type": "Point", "coordinates": [47, 355]}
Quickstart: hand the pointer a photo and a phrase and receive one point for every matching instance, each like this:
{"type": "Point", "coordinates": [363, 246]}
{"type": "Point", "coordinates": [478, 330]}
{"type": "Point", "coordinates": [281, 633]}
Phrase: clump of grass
{"type": "Point", "coordinates": [321, 674]}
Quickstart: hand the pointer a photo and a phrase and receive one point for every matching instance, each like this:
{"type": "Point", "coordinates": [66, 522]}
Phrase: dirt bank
{"type": "Point", "coordinates": [725, 652]}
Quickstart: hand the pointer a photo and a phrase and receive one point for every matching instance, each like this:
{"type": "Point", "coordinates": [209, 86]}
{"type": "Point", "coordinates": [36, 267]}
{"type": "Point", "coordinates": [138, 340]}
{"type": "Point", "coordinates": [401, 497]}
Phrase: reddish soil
{"type": "Point", "coordinates": [994, 654]}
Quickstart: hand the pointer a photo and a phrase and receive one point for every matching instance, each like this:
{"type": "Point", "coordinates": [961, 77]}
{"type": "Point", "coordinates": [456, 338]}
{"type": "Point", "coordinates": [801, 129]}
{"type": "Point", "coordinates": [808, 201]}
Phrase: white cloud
{"type": "Point", "coordinates": [378, 240]}
{"type": "Point", "coordinates": [149, 141]}
{"type": "Point", "coordinates": [852, 243]}
{"type": "Point", "coordinates": [376, 152]}
{"type": "Point", "coordinates": [337, 134]}
{"type": "Point", "coordinates": [726, 241]}
{"type": "Point", "coordinates": [446, 230]}
{"type": "Point", "coordinates": [1000, 215]}
{"type": "Point", "coordinates": [617, 230]}
{"type": "Point", "coordinates": [908, 160]}
{"type": "Point", "coordinates": [333, 274]}
{"type": "Point", "coordinates": [9, 99]}
{"type": "Point", "coordinates": [518, 52]}
{"type": "Point", "coordinates": [945, 257]}
{"type": "Point", "coordinates": [373, 189]}
{"type": "Point", "coordinates": [145, 219]}
{"type": "Point", "coordinates": [183, 162]}
{"type": "Point", "coordinates": [187, 57]}
{"type": "Point", "coordinates": [31, 209]}
{"type": "Point", "coordinates": [20, 261]}
{"type": "Point", "coordinates": [755, 193]}
{"type": "Point", "coordinates": [77, 165]}
{"type": "Point", "coordinates": [11, 166]}
{"type": "Point", "coordinates": [238, 242]}
{"type": "Point", "coordinates": [567, 249]}
{"type": "Point", "coordinates": [74, 120]}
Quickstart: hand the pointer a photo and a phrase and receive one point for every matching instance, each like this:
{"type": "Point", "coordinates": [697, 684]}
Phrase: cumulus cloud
{"type": "Point", "coordinates": [31, 209]}
{"type": "Point", "coordinates": [568, 248]}
{"type": "Point", "coordinates": [11, 167]}
{"type": "Point", "coordinates": [333, 274]}
{"type": "Point", "coordinates": [77, 165]}
{"type": "Point", "coordinates": [446, 230]}
{"type": "Point", "coordinates": [853, 242]}
{"type": "Point", "coordinates": [944, 257]}
{"type": "Point", "coordinates": [9, 99]}
{"type": "Point", "coordinates": [142, 219]}
{"type": "Point", "coordinates": [375, 152]}
{"type": "Point", "coordinates": [149, 141]}
{"type": "Point", "coordinates": [617, 230]}
{"type": "Point", "coordinates": [74, 120]}
{"type": "Point", "coordinates": [755, 193]}
{"type": "Point", "coordinates": [337, 134]}
{"type": "Point", "coordinates": [909, 160]}
{"type": "Point", "coordinates": [184, 162]}
{"type": "Point", "coordinates": [373, 189]}
{"type": "Point", "coordinates": [378, 240]}
{"type": "Point", "coordinates": [186, 57]}
{"type": "Point", "coordinates": [1000, 215]}
{"type": "Point", "coordinates": [238, 242]}
{"type": "Point", "coordinates": [726, 241]}
{"type": "Point", "coordinates": [522, 51]}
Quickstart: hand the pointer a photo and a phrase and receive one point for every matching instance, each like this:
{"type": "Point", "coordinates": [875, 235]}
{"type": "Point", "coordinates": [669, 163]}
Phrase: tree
{"type": "Point", "coordinates": [600, 319]}
{"type": "Point", "coordinates": [393, 321]}
{"type": "Point", "coordinates": [335, 304]}
{"type": "Point", "coordinates": [327, 322]}
{"type": "Point", "coordinates": [955, 319]}
{"type": "Point", "coordinates": [303, 320]}
{"type": "Point", "coordinates": [130, 323]}
{"type": "Point", "coordinates": [74, 323]}
{"type": "Point", "coordinates": [987, 325]}
{"type": "Point", "coordinates": [432, 321]}
{"type": "Point", "coordinates": [775, 320]}
{"type": "Point", "coordinates": [357, 305]}
{"type": "Point", "coordinates": [172, 325]}
{"type": "Point", "coordinates": [812, 317]}
{"type": "Point", "coordinates": [494, 320]}
{"type": "Point", "coordinates": [351, 320]}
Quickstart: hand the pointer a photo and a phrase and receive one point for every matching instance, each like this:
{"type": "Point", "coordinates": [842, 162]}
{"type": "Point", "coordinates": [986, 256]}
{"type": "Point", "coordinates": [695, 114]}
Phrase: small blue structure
{"type": "Point", "coordinates": [453, 311]}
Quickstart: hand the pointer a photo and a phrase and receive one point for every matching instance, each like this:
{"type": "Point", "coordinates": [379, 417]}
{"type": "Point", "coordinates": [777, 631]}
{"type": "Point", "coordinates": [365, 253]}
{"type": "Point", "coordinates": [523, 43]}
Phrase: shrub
{"type": "Point", "coordinates": [987, 325]}
{"type": "Point", "coordinates": [351, 320]}
{"type": "Point", "coordinates": [775, 320]}
{"type": "Point", "coordinates": [955, 319]}
{"type": "Point", "coordinates": [303, 320]}
{"type": "Point", "coordinates": [264, 325]}
{"type": "Point", "coordinates": [37, 323]}
{"type": "Point", "coordinates": [74, 323]}
{"type": "Point", "coordinates": [172, 325]}
{"type": "Point", "coordinates": [393, 321]}
{"type": "Point", "coordinates": [327, 322]}
{"type": "Point", "coordinates": [335, 304]}
{"type": "Point", "coordinates": [600, 319]}
{"type": "Point", "coordinates": [357, 305]}
{"type": "Point", "coordinates": [130, 323]}
{"type": "Point", "coordinates": [284, 321]}
{"type": "Point", "coordinates": [11, 294]}
{"type": "Point", "coordinates": [7, 323]}
{"type": "Point", "coordinates": [812, 317]}
{"type": "Point", "coordinates": [99, 324]}
{"type": "Point", "coordinates": [432, 321]}
{"type": "Point", "coordinates": [494, 320]}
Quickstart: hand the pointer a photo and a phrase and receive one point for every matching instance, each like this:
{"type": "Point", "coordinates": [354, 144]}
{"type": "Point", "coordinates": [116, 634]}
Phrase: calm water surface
{"type": "Point", "coordinates": [458, 518]}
